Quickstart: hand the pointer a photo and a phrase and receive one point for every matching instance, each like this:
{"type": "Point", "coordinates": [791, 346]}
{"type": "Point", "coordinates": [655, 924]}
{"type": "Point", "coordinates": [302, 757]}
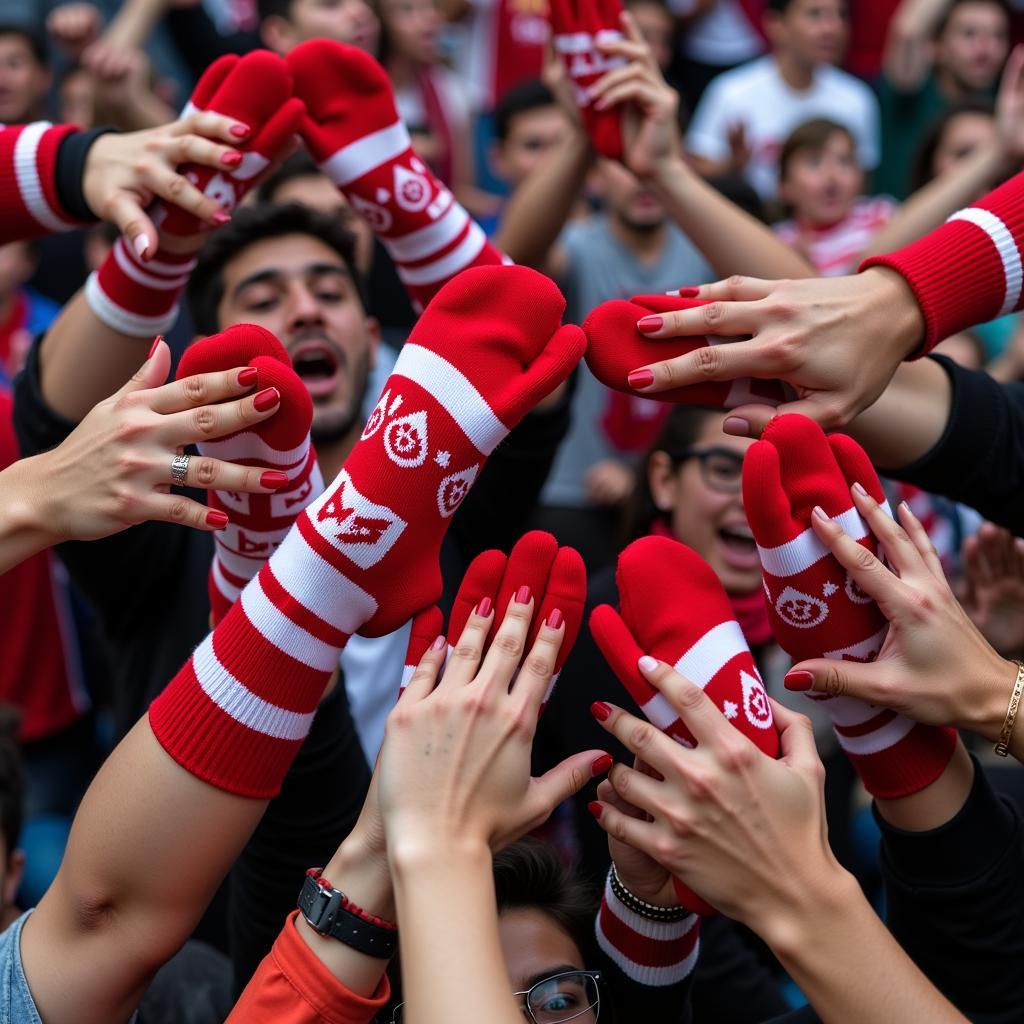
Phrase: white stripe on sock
{"type": "Point", "coordinates": [363, 155]}
{"type": "Point", "coordinates": [455, 392]}
{"type": "Point", "coordinates": [659, 712]}
{"type": "Point", "coordinates": [714, 649]}
{"type": "Point", "coordinates": [574, 42]}
{"type": "Point", "coordinates": [118, 319]}
{"type": "Point", "coordinates": [861, 651]}
{"type": "Point", "coordinates": [250, 445]}
{"type": "Point", "coordinates": [1006, 247]}
{"type": "Point", "coordinates": [881, 739]}
{"type": "Point", "coordinates": [151, 281]}
{"type": "Point", "coordinates": [418, 245]}
{"type": "Point", "coordinates": [447, 266]}
{"type": "Point", "coordinates": [26, 172]}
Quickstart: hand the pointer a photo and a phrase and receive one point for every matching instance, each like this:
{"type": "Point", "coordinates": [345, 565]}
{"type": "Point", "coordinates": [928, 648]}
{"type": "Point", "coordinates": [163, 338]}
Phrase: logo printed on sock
{"type": "Point", "coordinates": [359, 528]}
{"type": "Point", "coordinates": [282, 505]}
{"type": "Point", "coordinates": [376, 216]}
{"type": "Point", "coordinates": [220, 190]}
{"type": "Point", "coordinates": [453, 488]}
{"type": "Point", "coordinates": [854, 593]}
{"type": "Point", "coordinates": [800, 610]}
{"type": "Point", "coordinates": [405, 440]}
{"type": "Point", "coordinates": [377, 417]}
{"type": "Point", "coordinates": [755, 702]}
{"type": "Point", "coordinates": [412, 190]}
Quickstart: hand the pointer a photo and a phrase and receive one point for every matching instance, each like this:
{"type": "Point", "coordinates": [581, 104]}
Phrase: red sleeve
{"type": "Point", "coordinates": [968, 271]}
{"type": "Point", "coordinates": [291, 986]}
{"type": "Point", "coordinates": [29, 203]}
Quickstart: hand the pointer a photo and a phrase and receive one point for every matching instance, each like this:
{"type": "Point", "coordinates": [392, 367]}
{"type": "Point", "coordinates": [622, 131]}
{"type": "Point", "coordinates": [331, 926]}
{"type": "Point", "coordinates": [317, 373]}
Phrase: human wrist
{"type": "Point", "coordinates": [360, 869]}
{"type": "Point", "coordinates": [985, 711]}
{"type": "Point", "coordinates": [904, 322]}
{"type": "Point", "coordinates": [434, 852]}
{"type": "Point", "coordinates": [25, 512]}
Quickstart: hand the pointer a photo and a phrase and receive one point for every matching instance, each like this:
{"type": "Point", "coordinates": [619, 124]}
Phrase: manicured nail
{"type": "Point", "coordinates": [819, 513]}
{"type": "Point", "coordinates": [217, 519]}
{"type": "Point", "coordinates": [595, 808]}
{"type": "Point", "coordinates": [273, 478]}
{"type": "Point", "coordinates": [798, 681]}
{"type": "Point", "coordinates": [483, 609]}
{"type": "Point", "coordinates": [266, 399]}
{"type": "Point", "coordinates": [523, 595]}
{"type": "Point", "coordinates": [248, 376]}
{"type": "Point", "coordinates": [154, 346]}
{"type": "Point", "coordinates": [220, 218]}
{"type": "Point", "coordinates": [554, 619]}
{"type": "Point", "coordinates": [640, 378]}
{"type": "Point", "coordinates": [232, 159]}
{"type": "Point", "coordinates": [857, 489]}
{"type": "Point", "coordinates": [689, 293]}
{"type": "Point", "coordinates": [438, 643]}
{"type": "Point", "coordinates": [239, 130]}
{"type": "Point", "coordinates": [602, 764]}
{"type": "Point", "coordinates": [907, 510]}
{"type": "Point", "coordinates": [600, 710]}
{"type": "Point", "coordinates": [140, 245]}
{"type": "Point", "coordinates": [737, 426]}
{"type": "Point", "coordinates": [647, 663]}
{"type": "Point", "coordinates": [650, 323]}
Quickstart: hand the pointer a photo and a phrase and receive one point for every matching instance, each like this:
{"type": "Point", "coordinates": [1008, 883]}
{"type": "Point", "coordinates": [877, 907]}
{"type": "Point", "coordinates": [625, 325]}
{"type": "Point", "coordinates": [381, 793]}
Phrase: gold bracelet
{"type": "Point", "coordinates": [1003, 743]}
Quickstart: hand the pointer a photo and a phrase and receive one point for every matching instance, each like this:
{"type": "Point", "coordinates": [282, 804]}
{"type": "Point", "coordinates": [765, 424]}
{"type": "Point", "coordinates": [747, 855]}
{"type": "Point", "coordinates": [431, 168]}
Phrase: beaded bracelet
{"type": "Point", "coordinates": [642, 907]}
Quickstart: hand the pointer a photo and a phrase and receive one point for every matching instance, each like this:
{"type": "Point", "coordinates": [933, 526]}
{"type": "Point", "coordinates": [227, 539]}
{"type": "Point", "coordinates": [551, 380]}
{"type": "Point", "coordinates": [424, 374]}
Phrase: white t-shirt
{"type": "Point", "coordinates": [757, 96]}
{"type": "Point", "coordinates": [722, 36]}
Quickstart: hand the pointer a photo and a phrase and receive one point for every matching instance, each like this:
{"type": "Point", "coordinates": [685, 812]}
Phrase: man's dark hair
{"type": "Point", "coordinates": [781, 6]}
{"type": "Point", "coordinates": [12, 777]}
{"type": "Point", "coordinates": [36, 42]}
{"type": "Point", "coordinates": [949, 8]}
{"type": "Point", "coordinates": [298, 165]}
{"type": "Point", "coordinates": [274, 8]}
{"type": "Point", "coordinates": [529, 95]}
{"type": "Point", "coordinates": [257, 224]}
{"type": "Point", "coordinates": [812, 135]}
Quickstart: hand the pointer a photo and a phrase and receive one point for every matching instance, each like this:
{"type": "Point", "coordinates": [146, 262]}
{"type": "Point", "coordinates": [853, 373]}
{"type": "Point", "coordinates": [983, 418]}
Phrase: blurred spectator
{"type": "Point", "coordinates": [286, 23]}
{"type": "Point", "coordinates": [657, 24]}
{"type": "Point", "coordinates": [24, 75]}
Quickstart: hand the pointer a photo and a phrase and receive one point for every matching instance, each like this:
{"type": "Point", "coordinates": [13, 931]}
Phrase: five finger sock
{"type": "Point", "coordinates": [815, 607]}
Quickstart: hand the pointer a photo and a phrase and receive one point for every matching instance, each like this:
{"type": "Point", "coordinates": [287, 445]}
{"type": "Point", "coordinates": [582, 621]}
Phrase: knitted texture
{"type": "Point", "coordinates": [815, 607]}
{"type": "Point", "coordinates": [353, 132]}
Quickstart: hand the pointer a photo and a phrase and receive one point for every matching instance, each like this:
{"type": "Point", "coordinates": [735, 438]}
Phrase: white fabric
{"type": "Point", "coordinates": [718, 646]}
{"type": "Point", "coordinates": [723, 36]}
{"type": "Point", "coordinates": [26, 171]}
{"type": "Point", "coordinates": [1009, 254]}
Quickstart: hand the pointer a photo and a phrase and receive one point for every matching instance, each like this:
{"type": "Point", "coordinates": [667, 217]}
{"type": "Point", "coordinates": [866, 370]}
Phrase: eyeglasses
{"type": "Point", "coordinates": [574, 995]}
{"type": "Point", "coordinates": [720, 468]}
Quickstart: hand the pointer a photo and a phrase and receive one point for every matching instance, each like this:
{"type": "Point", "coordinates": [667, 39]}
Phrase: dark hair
{"type": "Point", "coordinates": [529, 95]}
{"type": "Point", "coordinates": [12, 777]}
{"type": "Point", "coordinates": [256, 224]}
{"type": "Point", "coordinates": [921, 170]}
{"type": "Point", "coordinates": [299, 165]}
{"type": "Point", "coordinates": [274, 9]}
{"type": "Point", "coordinates": [36, 42]}
{"type": "Point", "coordinates": [812, 135]}
{"type": "Point", "coordinates": [950, 7]}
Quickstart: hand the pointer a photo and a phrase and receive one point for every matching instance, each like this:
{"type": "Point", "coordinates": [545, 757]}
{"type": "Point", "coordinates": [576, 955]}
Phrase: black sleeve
{"type": "Point", "coordinates": [70, 171]}
{"type": "Point", "coordinates": [979, 460]}
{"type": "Point", "coordinates": [199, 43]}
{"type": "Point", "coordinates": [955, 899]}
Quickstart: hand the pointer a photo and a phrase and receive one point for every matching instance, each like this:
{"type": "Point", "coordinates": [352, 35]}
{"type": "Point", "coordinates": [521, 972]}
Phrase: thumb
{"type": "Point", "coordinates": [153, 372]}
{"type": "Point", "coordinates": [566, 780]}
{"type": "Point", "coordinates": [863, 680]}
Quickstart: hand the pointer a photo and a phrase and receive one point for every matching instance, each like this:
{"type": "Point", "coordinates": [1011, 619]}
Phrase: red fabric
{"type": "Point", "coordinates": [353, 131]}
{"type": "Point", "coordinates": [615, 347]}
{"type": "Point", "coordinates": [979, 290]}
{"type": "Point", "coordinates": [632, 422]}
{"type": "Point", "coordinates": [672, 607]}
{"type": "Point", "coordinates": [869, 28]}
{"type": "Point", "coordinates": [816, 608]}
{"type": "Point", "coordinates": [14, 339]}
{"type": "Point", "coordinates": [520, 30]}
{"type": "Point", "coordinates": [292, 986]}
{"type": "Point", "coordinates": [650, 951]}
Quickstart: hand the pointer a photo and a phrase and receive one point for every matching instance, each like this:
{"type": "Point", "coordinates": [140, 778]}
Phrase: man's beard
{"type": "Point", "coordinates": [330, 425]}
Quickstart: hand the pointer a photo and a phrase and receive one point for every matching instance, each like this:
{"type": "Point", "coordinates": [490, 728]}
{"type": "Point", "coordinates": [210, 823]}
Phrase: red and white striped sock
{"type": "Point", "coordinates": [259, 522]}
{"type": "Point", "coordinates": [353, 131]}
{"type": "Point", "coordinates": [655, 953]}
{"type": "Point", "coordinates": [672, 607]}
{"type": "Point", "coordinates": [615, 348]}
{"type": "Point", "coordinates": [364, 555]}
{"type": "Point", "coordinates": [816, 609]}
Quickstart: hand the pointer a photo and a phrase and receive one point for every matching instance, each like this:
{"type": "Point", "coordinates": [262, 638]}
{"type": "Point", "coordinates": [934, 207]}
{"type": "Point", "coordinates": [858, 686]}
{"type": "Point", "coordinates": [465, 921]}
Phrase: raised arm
{"type": "Point", "coordinates": [907, 60]}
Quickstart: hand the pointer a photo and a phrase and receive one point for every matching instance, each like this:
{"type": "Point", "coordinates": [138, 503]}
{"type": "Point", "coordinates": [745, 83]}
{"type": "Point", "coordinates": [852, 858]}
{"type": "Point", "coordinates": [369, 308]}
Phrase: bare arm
{"type": "Point", "coordinates": [907, 58]}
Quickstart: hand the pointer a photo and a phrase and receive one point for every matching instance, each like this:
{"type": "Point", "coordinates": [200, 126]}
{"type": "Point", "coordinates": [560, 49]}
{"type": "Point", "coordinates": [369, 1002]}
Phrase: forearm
{"type": "Point", "coordinates": [938, 802]}
{"type": "Point", "coordinates": [907, 59]}
{"type": "Point", "coordinates": [134, 23]}
{"type": "Point", "coordinates": [731, 240]}
{"type": "Point", "coordinates": [22, 520]}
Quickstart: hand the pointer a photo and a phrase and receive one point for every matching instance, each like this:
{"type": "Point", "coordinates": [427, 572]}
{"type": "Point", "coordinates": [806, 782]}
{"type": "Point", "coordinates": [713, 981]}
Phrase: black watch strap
{"type": "Point", "coordinates": [326, 910]}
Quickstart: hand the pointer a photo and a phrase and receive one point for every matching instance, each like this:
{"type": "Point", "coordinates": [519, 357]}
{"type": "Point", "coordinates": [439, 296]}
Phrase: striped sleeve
{"type": "Point", "coordinates": [30, 204]}
{"type": "Point", "coordinates": [652, 953]}
{"type": "Point", "coordinates": [968, 271]}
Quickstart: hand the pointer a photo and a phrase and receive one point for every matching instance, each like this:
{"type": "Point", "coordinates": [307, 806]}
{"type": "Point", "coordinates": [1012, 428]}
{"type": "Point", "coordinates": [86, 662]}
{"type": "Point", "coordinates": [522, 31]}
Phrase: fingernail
{"type": "Point", "coordinates": [650, 323]}
{"type": "Point", "coordinates": [595, 808]}
{"type": "Point", "coordinates": [737, 426]}
{"type": "Point", "coordinates": [602, 764]}
{"type": "Point", "coordinates": [600, 710]}
{"type": "Point", "coordinates": [266, 399]}
{"type": "Point", "coordinates": [273, 478]}
{"type": "Point", "coordinates": [857, 489]}
{"type": "Point", "coordinates": [906, 508]}
{"type": "Point", "coordinates": [221, 217]}
{"type": "Point", "coordinates": [140, 245]}
{"type": "Point", "coordinates": [798, 681]}
{"type": "Point", "coordinates": [640, 378]}
{"type": "Point", "coordinates": [647, 663]}
{"type": "Point", "coordinates": [483, 609]}
{"type": "Point", "coordinates": [218, 520]}
{"type": "Point", "coordinates": [438, 643]}
{"type": "Point", "coordinates": [523, 595]}
{"type": "Point", "coordinates": [554, 619]}
{"type": "Point", "coordinates": [248, 376]}
{"type": "Point", "coordinates": [689, 293]}
{"type": "Point", "coordinates": [239, 130]}
{"type": "Point", "coordinates": [819, 513]}
{"type": "Point", "coordinates": [232, 159]}
{"type": "Point", "coordinates": [154, 346]}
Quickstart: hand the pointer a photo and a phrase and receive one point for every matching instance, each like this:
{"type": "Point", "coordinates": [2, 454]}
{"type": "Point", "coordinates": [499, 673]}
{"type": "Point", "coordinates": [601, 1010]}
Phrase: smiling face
{"type": "Point", "coordinates": [300, 289]}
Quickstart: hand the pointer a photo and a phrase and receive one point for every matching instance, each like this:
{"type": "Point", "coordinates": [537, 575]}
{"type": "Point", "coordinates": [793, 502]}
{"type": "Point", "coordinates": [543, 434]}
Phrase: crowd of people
{"type": "Point", "coordinates": [448, 559]}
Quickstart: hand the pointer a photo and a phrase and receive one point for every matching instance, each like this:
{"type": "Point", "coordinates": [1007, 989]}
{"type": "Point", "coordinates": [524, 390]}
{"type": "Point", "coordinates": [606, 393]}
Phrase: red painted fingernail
{"type": "Point", "coordinates": [554, 619]}
{"type": "Point", "coordinates": [799, 681]}
{"type": "Point", "coordinates": [218, 520]}
{"type": "Point", "coordinates": [248, 376]}
{"type": "Point", "coordinates": [153, 347]}
{"type": "Point", "coordinates": [595, 808]}
{"type": "Point", "coordinates": [689, 293]}
{"type": "Point", "coordinates": [266, 399]}
{"type": "Point", "coordinates": [523, 595]}
{"type": "Point", "coordinates": [273, 478]}
{"type": "Point", "coordinates": [640, 378]}
{"type": "Point", "coordinates": [600, 710]}
{"type": "Point", "coordinates": [232, 159]}
{"type": "Point", "coordinates": [438, 643]}
{"type": "Point", "coordinates": [602, 764]}
{"type": "Point", "coordinates": [221, 217]}
{"type": "Point", "coordinates": [483, 609]}
{"type": "Point", "coordinates": [239, 130]}
{"type": "Point", "coordinates": [650, 323]}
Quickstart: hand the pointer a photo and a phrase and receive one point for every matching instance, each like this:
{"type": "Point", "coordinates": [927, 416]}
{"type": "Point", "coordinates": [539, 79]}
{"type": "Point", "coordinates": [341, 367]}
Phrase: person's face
{"type": "Point", "coordinates": [531, 137]}
{"type": "Point", "coordinates": [657, 27]}
{"type": "Point", "coordinates": [627, 199]}
{"type": "Point", "coordinates": [811, 31]}
{"type": "Point", "coordinates": [77, 97]}
{"type": "Point", "coordinates": [822, 184]}
{"type": "Point", "coordinates": [413, 28]}
{"type": "Point", "coordinates": [16, 267]}
{"type": "Point", "coordinates": [535, 948]}
{"type": "Point", "coordinates": [345, 21]}
{"type": "Point", "coordinates": [710, 519]}
{"type": "Point", "coordinates": [973, 46]}
{"type": "Point", "coordinates": [962, 136]}
{"type": "Point", "coordinates": [23, 80]}
{"type": "Point", "coordinates": [300, 289]}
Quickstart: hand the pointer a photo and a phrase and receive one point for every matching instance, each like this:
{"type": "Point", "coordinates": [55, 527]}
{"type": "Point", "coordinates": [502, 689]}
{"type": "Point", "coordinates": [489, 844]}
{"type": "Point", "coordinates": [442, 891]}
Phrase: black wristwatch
{"type": "Point", "coordinates": [329, 912]}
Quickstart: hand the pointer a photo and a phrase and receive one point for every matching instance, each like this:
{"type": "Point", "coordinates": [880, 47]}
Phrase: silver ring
{"type": "Point", "coordinates": [179, 468]}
